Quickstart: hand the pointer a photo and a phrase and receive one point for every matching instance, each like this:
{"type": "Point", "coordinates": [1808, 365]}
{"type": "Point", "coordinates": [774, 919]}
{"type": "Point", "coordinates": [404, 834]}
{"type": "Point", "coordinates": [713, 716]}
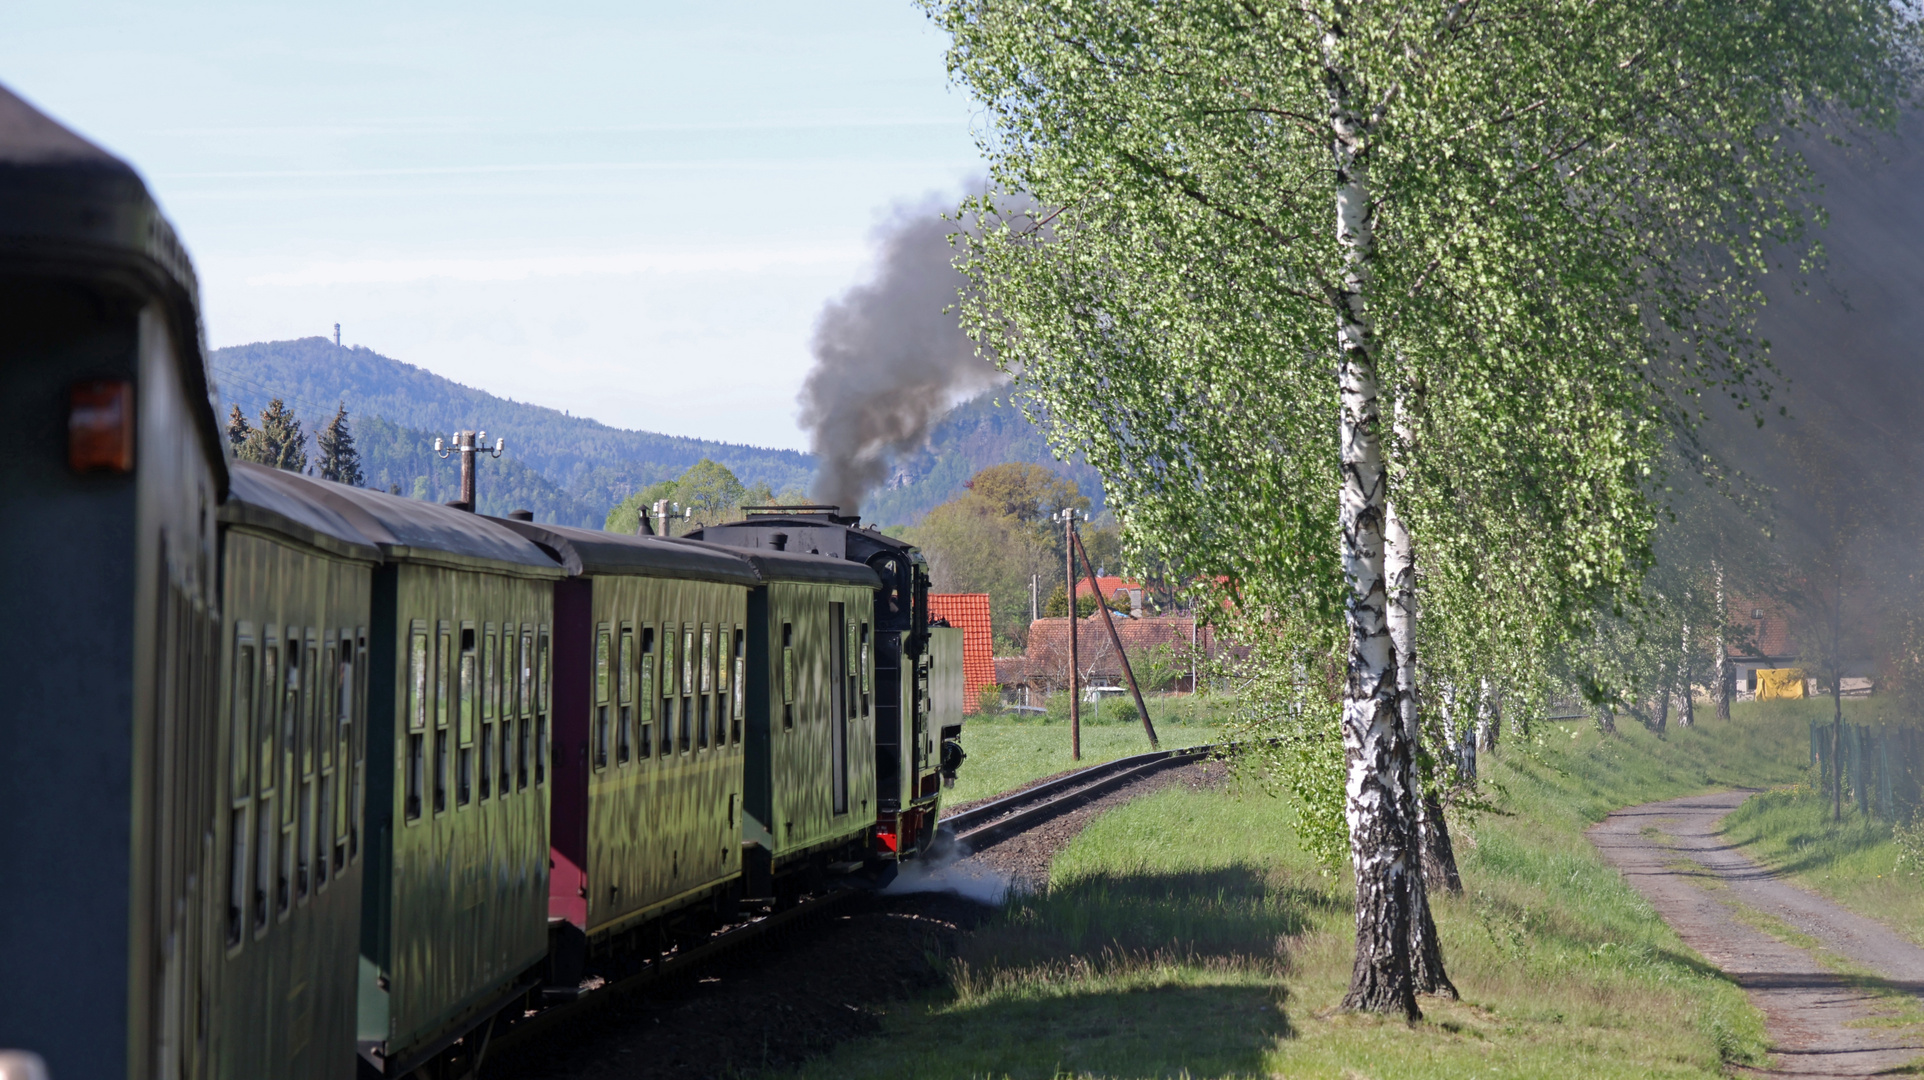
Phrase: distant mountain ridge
{"type": "Point", "coordinates": [988, 429]}
{"type": "Point", "coordinates": [575, 467]}
{"type": "Point", "coordinates": [572, 470]}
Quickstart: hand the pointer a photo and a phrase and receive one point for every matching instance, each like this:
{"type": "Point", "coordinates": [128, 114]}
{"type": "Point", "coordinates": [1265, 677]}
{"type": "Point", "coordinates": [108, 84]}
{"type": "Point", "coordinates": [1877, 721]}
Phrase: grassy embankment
{"type": "Point", "coordinates": [1857, 862]}
{"type": "Point", "coordinates": [1009, 750]}
{"type": "Point", "coordinates": [1187, 934]}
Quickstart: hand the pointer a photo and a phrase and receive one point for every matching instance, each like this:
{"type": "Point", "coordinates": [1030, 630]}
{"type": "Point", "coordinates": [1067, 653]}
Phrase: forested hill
{"type": "Point", "coordinates": [983, 431]}
{"type": "Point", "coordinates": [568, 469]}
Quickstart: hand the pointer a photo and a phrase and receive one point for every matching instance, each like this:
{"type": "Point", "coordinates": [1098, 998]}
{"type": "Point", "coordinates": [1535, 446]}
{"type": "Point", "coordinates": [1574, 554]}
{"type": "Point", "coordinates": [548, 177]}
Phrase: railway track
{"type": "Point", "coordinates": [985, 823]}
{"type": "Point", "coordinates": [975, 827]}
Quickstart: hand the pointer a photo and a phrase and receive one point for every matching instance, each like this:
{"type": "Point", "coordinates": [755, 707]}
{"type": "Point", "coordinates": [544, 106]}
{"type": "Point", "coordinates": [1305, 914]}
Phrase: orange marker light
{"type": "Point", "coordinates": [100, 426]}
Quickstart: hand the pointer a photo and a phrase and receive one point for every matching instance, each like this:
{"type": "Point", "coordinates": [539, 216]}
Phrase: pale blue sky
{"type": "Point", "coordinates": [631, 211]}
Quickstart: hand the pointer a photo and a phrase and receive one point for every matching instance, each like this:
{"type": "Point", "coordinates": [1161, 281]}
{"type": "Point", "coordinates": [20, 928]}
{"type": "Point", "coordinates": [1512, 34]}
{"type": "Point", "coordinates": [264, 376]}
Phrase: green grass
{"type": "Point", "coordinates": [1857, 862]}
{"type": "Point", "coordinates": [1007, 751]}
{"type": "Point", "coordinates": [1188, 935]}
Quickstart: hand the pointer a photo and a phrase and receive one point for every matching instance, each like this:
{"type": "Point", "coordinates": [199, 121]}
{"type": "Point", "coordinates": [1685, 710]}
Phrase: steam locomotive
{"type": "Point", "coordinates": [303, 780]}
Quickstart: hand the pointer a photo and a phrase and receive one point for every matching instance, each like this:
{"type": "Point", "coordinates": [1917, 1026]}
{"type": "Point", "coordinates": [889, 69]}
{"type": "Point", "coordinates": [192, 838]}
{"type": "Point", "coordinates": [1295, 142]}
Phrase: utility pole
{"type": "Point", "coordinates": [1109, 621]}
{"type": "Point", "coordinates": [666, 512]}
{"type": "Point", "coordinates": [1035, 597]}
{"type": "Point", "coordinates": [467, 444]}
{"type": "Point", "coordinates": [1075, 670]}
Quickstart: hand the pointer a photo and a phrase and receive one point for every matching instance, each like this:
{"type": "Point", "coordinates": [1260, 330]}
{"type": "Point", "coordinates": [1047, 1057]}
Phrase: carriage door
{"type": "Point", "coordinates": [838, 706]}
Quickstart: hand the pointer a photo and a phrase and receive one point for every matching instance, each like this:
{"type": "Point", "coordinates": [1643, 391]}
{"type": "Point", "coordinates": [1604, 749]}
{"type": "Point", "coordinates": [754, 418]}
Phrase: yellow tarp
{"type": "Point", "coordinates": [1775, 684]}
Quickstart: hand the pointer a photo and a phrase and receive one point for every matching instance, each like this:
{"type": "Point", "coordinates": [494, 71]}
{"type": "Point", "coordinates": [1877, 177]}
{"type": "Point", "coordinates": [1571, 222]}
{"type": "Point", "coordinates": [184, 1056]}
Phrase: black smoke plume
{"type": "Point", "coordinates": [890, 359]}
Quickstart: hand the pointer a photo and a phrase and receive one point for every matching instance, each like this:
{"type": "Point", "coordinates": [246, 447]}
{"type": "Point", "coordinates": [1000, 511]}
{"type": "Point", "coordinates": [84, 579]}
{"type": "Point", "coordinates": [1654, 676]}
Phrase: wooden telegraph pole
{"type": "Point", "coordinates": [1075, 662]}
{"type": "Point", "coordinates": [1108, 620]}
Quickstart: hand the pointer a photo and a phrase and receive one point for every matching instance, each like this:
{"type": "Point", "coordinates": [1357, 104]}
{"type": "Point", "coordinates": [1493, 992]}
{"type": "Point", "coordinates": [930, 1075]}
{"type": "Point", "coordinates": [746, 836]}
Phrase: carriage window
{"type": "Point", "coordinates": [416, 752]}
{"type": "Point", "coordinates": [327, 731]}
{"type": "Point", "coordinates": [788, 675]}
{"type": "Point", "coordinates": [312, 712]}
{"type": "Point", "coordinates": [344, 708]}
{"type": "Point", "coordinates": [521, 754]}
{"type": "Point", "coordinates": [290, 721]}
{"type": "Point", "coordinates": [241, 716]}
{"type": "Point", "coordinates": [507, 761]}
{"type": "Point", "coordinates": [466, 691]}
{"type": "Point", "coordinates": [312, 685]}
{"type": "Point", "coordinates": [527, 672]}
{"type": "Point", "coordinates": [668, 688]}
{"type": "Point", "coordinates": [237, 872]}
{"type": "Point", "coordinates": [741, 674]}
{"type": "Point", "coordinates": [263, 861]}
{"type": "Point", "coordinates": [322, 845]}
{"type": "Point", "coordinates": [601, 697]}
{"type": "Point", "coordinates": [485, 768]}
{"type": "Point", "coordinates": [625, 694]}
{"type": "Point", "coordinates": [862, 668]}
{"type": "Point", "coordinates": [466, 704]}
{"type": "Point", "coordinates": [443, 661]}
{"type": "Point", "coordinates": [851, 695]}
{"type": "Point", "coordinates": [417, 708]}
{"type": "Point", "coordinates": [440, 770]}
{"type": "Point", "coordinates": [645, 706]}
{"type": "Point", "coordinates": [688, 659]}
{"type": "Point", "coordinates": [356, 798]}
{"type": "Point", "coordinates": [264, 715]}
{"type": "Point", "coordinates": [541, 708]}
{"type": "Point", "coordinates": [490, 674]}
{"type": "Point", "coordinates": [707, 689]}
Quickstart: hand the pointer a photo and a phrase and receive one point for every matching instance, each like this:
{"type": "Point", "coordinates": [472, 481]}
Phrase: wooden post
{"type": "Point", "coordinates": [1102, 605]}
{"type": "Point", "coordinates": [1075, 673]}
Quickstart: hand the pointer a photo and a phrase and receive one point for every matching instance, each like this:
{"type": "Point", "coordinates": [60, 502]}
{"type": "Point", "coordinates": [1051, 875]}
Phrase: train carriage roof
{"type": "Point", "coordinates": [70, 209]}
{"type": "Point", "coordinates": [591, 551]}
{"type": "Point", "coordinates": [410, 530]}
{"type": "Point", "coordinates": [284, 503]}
{"type": "Point", "coordinates": [807, 569]}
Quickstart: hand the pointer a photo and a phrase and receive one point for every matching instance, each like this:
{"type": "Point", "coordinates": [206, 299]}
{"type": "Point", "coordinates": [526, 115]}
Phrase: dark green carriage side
{"type": "Point", "coordinates": [812, 699]}
{"type": "Point", "coordinates": [907, 741]}
{"type": "Point", "coordinates": [108, 626]}
{"type": "Point", "coordinates": [648, 782]}
{"type": "Point", "coordinates": [291, 776]}
{"type": "Point", "coordinates": [454, 915]}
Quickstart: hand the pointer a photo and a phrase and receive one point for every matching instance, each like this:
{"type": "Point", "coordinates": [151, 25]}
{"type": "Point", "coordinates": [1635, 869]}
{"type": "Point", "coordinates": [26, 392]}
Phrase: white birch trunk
{"type": "Point", "coordinates": [1491, 731]}
{"type": "Point", "coordinates": [1687, 707]}
{"type": "Point", "coordinates": [1376, 752]}
{"type": "Point", "coordinates": [1724, 680]}
{"type": "Point", "coordinates": [1399, 570]}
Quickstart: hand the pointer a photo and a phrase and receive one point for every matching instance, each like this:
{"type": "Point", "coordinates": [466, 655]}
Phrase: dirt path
{"type": "Point", "coordinates": [1788, 948]}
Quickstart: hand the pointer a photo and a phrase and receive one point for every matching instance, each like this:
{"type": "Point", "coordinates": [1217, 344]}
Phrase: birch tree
{"type": "Point", "coordinates": [1552, 211]}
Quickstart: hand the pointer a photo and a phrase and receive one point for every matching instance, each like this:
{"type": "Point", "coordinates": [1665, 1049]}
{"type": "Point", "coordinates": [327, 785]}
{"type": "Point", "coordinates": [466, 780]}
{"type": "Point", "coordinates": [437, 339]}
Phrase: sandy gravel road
{"type": "Point", "coordinates": [1788, 948]}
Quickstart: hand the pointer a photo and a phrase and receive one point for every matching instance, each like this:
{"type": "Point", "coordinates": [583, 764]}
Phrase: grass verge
{"type": "Point", "coordinates": [1862, 863]}
{"type": "Point", "coordinates": [1008, 751]}
{"type": "Point", "coordinates": [1188, 935]}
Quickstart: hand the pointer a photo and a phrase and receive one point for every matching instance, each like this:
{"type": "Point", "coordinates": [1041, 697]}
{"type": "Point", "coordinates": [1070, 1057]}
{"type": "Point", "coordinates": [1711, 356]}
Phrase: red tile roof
{"type": "Point", "coordinates": [969, 612]}
{"type": "Point", "coordinates": [1109, 586]}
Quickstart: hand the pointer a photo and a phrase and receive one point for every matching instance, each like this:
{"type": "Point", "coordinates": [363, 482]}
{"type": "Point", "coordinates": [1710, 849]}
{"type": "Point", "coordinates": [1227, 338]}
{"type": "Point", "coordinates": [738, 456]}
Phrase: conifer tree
{"type": "Point", "coordinates": [340, 461]}
{"type": "Point", "coordinates": [238, 430]}
{"type": "Point", "coordinates": [278, 441]}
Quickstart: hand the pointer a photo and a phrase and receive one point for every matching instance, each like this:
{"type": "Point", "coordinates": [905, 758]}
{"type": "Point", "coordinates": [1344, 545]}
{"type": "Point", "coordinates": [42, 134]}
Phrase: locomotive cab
{"type": "Point", "coordinates": [908, 732]}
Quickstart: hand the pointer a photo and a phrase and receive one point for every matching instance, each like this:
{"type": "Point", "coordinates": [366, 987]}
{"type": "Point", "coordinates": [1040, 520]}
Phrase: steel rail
{"type": "Point", "coordinates": [1018, 812]}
